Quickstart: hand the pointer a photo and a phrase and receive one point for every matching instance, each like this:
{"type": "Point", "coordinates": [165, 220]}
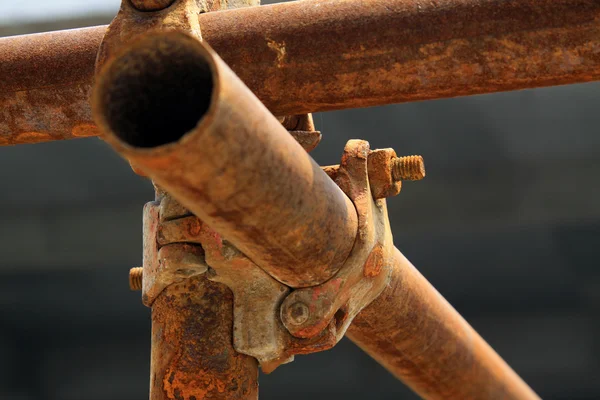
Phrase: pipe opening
{"type": "Point", "coordinates": [157, 91]}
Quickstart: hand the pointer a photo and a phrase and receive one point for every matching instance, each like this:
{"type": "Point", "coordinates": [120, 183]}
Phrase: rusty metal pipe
{"type": "Point", "coordinates": [317, 55]}
{"type": "Point", "coordinates": [46, 84]}
{"type": "Point", "coordinates": [192, 354]}
{"type": "Point", "coordinates": [415, 333]}
{"type": "Point", "coordinates": [173, 108]}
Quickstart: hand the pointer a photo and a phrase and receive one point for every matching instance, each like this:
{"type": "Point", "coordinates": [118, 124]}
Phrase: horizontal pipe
{"type": "Point", "coordinates": [46, 85]}
{"type": "Point", "coordinates": [415, 333]}
{"type": "Point", "coordinates": [173, 108]}
{"type": "Point", "coordinates": [318, 55]}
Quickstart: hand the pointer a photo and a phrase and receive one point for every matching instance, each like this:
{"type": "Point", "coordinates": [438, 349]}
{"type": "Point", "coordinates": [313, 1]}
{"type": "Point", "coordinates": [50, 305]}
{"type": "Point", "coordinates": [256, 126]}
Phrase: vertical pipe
{"type": "Point", "coordinates": [192, 354]}
{"type": "Point", "coordinates": [415, 333]}
{"type": "Point", "coordinates": [192, 345]}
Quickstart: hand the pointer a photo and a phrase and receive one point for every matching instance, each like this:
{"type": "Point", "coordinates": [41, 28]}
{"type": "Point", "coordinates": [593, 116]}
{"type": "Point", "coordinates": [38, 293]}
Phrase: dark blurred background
{"type": "Point", "coordinates": [506, 225]}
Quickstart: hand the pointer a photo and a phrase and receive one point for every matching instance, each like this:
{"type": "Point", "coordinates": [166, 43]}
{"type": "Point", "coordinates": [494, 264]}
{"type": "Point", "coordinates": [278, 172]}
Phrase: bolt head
{"type": "Point", "coordinates": [298, 313]}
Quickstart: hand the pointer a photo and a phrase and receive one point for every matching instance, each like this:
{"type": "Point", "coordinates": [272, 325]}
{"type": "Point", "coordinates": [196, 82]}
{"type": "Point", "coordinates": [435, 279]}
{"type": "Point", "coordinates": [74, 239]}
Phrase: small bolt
{"type": "Point", "coordinates": [151, 5]}
{"type": "Point", "coordinates": [298, 313]}
{"type": "Point", "coordinates": [135, 278]}
{"type": "Point", "coordinates": [409, 168]}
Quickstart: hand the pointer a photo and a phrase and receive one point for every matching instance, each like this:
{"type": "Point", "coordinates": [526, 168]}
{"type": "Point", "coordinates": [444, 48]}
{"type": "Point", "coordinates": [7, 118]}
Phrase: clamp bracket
{"type": "Point", "coordinates": [273, 322]}
{"type": "Point", "coordinates": [364, 275]}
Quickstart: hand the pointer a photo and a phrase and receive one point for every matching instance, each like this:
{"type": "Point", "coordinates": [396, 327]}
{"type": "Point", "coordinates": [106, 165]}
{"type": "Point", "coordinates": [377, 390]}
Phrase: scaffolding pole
{"type": "Point", "coordinates": [315, 55]}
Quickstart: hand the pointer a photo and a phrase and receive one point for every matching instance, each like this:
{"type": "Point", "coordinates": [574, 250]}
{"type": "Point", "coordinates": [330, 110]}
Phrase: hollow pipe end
{"type": "Point", "coordinates": [155, 90]}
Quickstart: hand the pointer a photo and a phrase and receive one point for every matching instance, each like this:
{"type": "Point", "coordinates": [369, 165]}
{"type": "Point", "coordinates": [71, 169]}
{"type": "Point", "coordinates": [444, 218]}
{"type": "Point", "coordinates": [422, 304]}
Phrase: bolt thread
{"type": "Point", "coordinates": [135, 278]}
{"type": "Point", "coordinates": [409, 168]}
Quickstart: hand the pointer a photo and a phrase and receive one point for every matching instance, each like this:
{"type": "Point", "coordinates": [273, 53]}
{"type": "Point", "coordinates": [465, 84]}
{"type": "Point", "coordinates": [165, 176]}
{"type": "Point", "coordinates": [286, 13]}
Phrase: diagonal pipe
{"type": "Point", "coordinates": [174, 109]}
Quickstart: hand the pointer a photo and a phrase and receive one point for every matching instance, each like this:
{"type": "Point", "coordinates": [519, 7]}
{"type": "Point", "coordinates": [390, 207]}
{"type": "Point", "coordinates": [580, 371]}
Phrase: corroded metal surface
{"type": "Point", "coordinates": [180, 230]}
{"type": "Point", "coordinates": [256, 298]}
{"type": "Point", "coordinates": [410, 328]}
{"type": "Point", "coordinates": [316, 55]}
{"type": "Point", "coordinates": [365, 273]}
{"type": "Point", "coordinates": [302, 128]}
{"type": "Point", "coordinates": [192, 323]}
{"type": "Point", "coordinates": [220, 152]}
{"type": "Point", "coordinates": [413, 332]}
{"type": "Point", "coordinates": [319, 55]}
{"type": "Point", "coordinates": [408, 168]}
{"type": "Point", "coordinates": [309, 140]}
{"type": "Point", "coordinates": [45, 86]}
{"type": "Point", "coordinates": [151, 5]}
{"type": "Point", "coordinates": [257, 329]}
{"type": "Point", "coordinates": [386, 171]}
{"type": "Point", "coordinates": [192, 347]}
{"type": "Point", "coordinates": [131, 23]}
{"type": "Point", "coordinates": [381, 179]}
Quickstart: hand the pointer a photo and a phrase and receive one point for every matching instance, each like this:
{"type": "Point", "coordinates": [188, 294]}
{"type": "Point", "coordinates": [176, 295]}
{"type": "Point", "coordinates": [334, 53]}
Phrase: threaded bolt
{"type": "Point", "coordinates": [151, 5]}
{"type": "Point", "coordinates": [135, 278]}
{"type": "Point", "coordinates": [409, 168]}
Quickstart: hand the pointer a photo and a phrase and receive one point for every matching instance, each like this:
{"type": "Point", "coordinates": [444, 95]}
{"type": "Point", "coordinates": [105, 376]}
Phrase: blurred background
{"type": "Point", "coordinates": [506, 225]}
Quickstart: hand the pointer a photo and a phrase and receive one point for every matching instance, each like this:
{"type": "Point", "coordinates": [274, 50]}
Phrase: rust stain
{"type": "Point", "coordinates": [85, 130]}
{"type": "Point", "coordinates": [279, 49]}
{"type": "Point", "coordinates": [32, 137]}
{"type": "Point", "coordinates": [374, 262]}
{"type": "Point", "coordinates": [366, 53]}
{"type": "Point", "coordinates": [45, 86]}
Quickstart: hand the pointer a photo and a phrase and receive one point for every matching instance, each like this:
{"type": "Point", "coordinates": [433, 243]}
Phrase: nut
{"type": "Point", "coordinates": [381, 179]}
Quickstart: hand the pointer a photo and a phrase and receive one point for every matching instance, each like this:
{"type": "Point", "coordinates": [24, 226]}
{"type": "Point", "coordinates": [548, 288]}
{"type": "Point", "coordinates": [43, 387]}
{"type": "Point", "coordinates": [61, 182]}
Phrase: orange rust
{"type": "Point", "coordinates": [374, 262]}
{"type": "Point", "coordinates": [381, 179]}
{"type": "Point", "coordinates": [192, 355]}
{"type": "Point", "coordinates": [180, 230]}
{"type": "Point", "coordinates": [85, 130]}
{"type": "Point", "coordinates": [192, 346]}
{"type": "Point", "coordinates": [412, 331]}
{"type": "Point", "coordinates": [317, 55]}
{"type": "Point", "coordinates": [320, 55]}
{"type": "Point", "coordinates": [305, 312]}
{"type": "Point", "coordinates": [46, 85]}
